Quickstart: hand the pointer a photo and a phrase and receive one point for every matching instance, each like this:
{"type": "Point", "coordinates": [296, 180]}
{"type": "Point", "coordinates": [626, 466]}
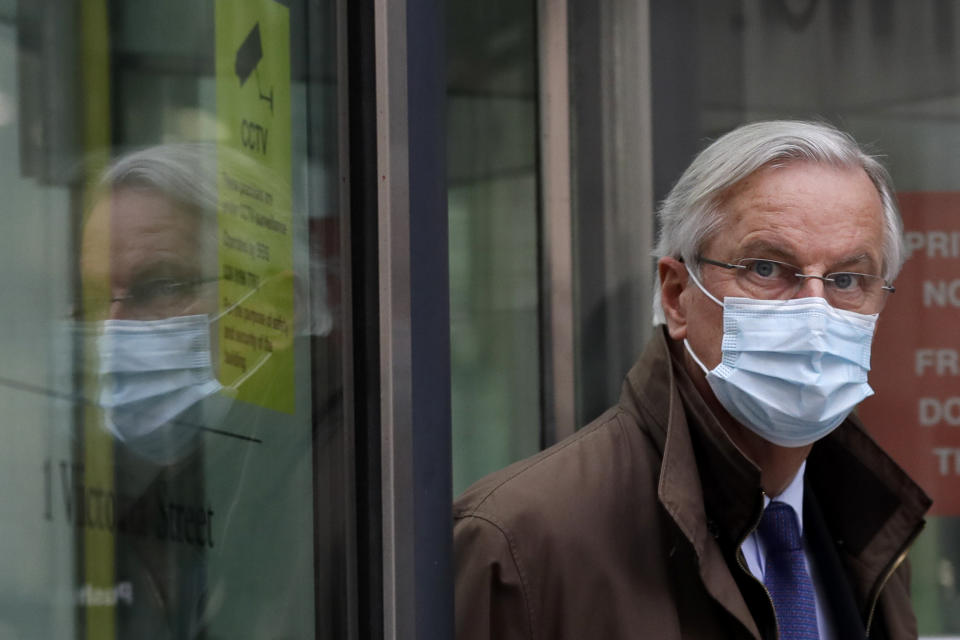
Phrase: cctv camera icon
{"type": "Point", "coordinates": [249, 55]}
{"type": "Point", "coordinates": [247, 61]}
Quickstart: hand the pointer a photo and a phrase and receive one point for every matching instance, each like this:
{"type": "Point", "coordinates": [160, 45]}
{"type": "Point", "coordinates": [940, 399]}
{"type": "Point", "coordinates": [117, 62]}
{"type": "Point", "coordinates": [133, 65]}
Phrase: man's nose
{"type": "Point", "coordinates": [118, 310]}
{"type": "Point", "coordinates": [811, 287]}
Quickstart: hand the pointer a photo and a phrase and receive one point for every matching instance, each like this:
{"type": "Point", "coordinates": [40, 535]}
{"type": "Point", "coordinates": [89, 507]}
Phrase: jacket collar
{"type": "Point", "coordinates": [872, 509]}
{"type": "Point", "coordinates": [658, 393]}
{"type": "Point", "coordinates": [693, 445]}
{"type": "Point", "coordinates": [712, 490]}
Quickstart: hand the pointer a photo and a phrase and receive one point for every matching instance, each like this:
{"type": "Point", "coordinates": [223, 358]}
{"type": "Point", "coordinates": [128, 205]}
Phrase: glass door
{"type": "Point", "coordinates": [172, 324]}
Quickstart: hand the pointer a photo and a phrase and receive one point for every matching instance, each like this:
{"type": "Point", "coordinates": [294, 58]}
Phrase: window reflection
{"type": "Point", "coordinates": [152, 325]}
{"type": "Point", "coordinates": [149, 269]}
{"type": "Point", "coordinates": [166, 448]}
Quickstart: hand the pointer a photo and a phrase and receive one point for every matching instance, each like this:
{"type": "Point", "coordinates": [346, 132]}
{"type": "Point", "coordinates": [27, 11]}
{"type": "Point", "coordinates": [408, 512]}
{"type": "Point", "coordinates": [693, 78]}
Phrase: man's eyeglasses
{"type": "Point", "coordinates": [774, 280]}
{"type": "Point", "coordinates": [150, 299]}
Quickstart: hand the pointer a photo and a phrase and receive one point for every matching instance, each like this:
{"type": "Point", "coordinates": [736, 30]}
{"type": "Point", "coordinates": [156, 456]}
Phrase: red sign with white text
{"type": "Point", "coordinates": [915, 414]}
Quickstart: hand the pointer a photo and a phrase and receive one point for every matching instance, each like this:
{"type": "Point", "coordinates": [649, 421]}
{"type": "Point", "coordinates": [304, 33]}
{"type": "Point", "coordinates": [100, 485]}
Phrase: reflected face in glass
{"type": "Point", "coordinates": [142, 259]}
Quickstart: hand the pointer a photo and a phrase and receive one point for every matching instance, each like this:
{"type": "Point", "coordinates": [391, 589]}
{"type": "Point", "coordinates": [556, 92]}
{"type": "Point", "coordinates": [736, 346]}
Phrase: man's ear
{"type": "Point", "coordinates": [673, 282]}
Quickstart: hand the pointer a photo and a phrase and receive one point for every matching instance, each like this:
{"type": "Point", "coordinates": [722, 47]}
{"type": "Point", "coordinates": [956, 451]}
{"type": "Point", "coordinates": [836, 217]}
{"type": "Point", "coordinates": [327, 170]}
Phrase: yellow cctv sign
{"type": "Point", "coordinates": [253, 167]}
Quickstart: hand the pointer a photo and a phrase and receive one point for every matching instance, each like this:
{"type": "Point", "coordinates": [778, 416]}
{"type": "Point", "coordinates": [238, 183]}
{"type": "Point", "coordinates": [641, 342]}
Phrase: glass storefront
{"type": "Point", "coordinates": [172, 387]}
{"type": "Point", "coordinates": [492, 150]}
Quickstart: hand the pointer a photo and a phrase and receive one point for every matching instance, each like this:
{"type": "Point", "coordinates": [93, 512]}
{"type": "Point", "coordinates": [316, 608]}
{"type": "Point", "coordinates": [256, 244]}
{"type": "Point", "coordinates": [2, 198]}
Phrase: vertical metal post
{"type": "Point", "coordinates": [352, 500]}
{"type": "Point", "coordinates": [414, 320]}
{"type": "Point", "coordinates": [612, 204]}
{"type": "Point", "coordinates": [394, 249]}
{"type": "Point", "coordinates": [559, 383]}
{"type": "Point", "coordinates": [627, 218]}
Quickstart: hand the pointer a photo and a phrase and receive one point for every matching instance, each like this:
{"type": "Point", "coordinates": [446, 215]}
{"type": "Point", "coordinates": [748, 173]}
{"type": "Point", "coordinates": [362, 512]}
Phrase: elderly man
{"type": "Point", "coordinates": [729, 493]}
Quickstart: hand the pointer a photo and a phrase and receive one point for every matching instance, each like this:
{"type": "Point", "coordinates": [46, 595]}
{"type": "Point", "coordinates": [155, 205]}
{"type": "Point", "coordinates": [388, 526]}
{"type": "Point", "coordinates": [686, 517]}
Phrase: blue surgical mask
{"type": "Point", "coordinates": [157, 383]}
{"type": "Point", "coordinates": [791, 370]}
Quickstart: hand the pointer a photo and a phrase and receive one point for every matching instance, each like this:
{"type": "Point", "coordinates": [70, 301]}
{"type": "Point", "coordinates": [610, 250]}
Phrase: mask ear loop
{"type": "Point", "coordinates": [694, 356]}
{"type": "Point", "coordinates": [233, 387]}
{"type": "Point", "coordinates": [700, 286]}
{"type": "Point", "coordinates": [233, 305]}
{"type": "Point", "coordinates": [709, 295]}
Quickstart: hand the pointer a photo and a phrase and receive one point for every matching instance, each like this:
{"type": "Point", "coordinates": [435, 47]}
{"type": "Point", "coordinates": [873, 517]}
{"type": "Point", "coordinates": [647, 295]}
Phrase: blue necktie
{"type": "Point", "coordinates": [786, 576]}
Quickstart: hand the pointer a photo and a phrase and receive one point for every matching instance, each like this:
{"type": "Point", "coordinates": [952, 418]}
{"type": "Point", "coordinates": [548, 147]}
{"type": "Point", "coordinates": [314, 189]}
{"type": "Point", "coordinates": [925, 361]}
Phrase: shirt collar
{"type": "Point", "coordinates": [792, 495]}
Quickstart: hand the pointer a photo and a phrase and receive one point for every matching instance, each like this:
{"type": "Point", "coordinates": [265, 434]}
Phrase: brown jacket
{"type": "Point", "coordinates": [631, 529]}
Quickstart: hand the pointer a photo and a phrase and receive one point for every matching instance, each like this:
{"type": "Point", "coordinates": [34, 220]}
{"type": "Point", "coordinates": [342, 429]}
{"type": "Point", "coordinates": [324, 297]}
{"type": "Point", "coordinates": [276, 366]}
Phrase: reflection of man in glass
{"type": "Point", "coordinates": [211, 492]}
{"type": "Point", "coordinates": [146, 235]}
{"type": "Point", "coordinates": [149, 264]}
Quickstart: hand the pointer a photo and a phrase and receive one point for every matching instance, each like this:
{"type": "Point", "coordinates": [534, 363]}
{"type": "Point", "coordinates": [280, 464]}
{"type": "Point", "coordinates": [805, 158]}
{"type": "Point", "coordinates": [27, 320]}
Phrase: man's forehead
{"type": "Point", "coordinates": [137, 226]}
{"type": "Point", "coordinates": [804, 210]}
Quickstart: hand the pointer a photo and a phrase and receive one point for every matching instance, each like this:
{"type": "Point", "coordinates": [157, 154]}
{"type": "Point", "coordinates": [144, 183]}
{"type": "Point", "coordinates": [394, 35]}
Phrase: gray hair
{"type": "Point", "coordinates": [690, 214]}
{"type": "Point", "coordinates": [185, 173]}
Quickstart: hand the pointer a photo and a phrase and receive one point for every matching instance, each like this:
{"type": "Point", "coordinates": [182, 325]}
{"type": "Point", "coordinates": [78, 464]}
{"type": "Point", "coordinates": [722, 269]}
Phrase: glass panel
{"type": "Point", "coordinates": [886, 72]}
{"type": "Point", "coordinates": [494, 259]}
{"type": "Point", "coordinates": [171, 321]}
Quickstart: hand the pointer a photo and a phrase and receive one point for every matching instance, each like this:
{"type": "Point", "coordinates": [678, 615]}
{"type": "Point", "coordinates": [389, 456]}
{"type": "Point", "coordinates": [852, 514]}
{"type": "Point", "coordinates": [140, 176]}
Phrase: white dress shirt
{"type": "Point", "coordinates": [755, 553]}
